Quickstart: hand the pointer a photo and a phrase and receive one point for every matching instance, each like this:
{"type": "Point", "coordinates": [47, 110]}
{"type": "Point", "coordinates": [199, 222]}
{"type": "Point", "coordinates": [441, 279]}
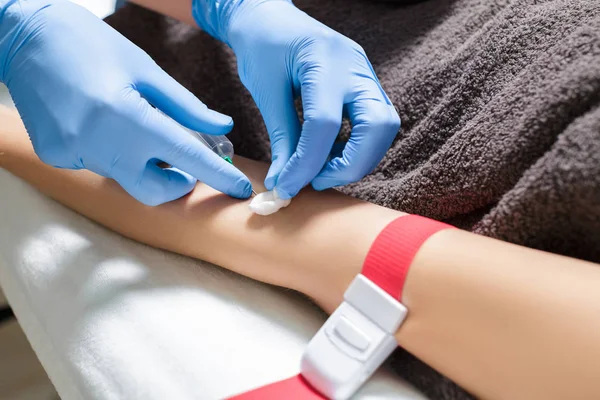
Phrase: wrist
{"type": "Point", "coordinates": [215, 16]}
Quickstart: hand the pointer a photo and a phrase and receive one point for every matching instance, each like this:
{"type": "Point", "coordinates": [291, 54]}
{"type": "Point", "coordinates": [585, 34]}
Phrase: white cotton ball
{"type": "Point", "coordinates": [267, 203]}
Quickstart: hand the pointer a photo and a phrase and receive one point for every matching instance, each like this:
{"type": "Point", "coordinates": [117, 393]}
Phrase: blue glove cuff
{"type": "Point", "coordinates": [215, 16]}
{"type": "Point", "coordinates": [10, 15]}
{"type": "Point", "coordinates": [13, 14]}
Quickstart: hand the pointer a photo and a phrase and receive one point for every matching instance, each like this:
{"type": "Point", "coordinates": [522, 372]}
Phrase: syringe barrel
{"type": "Point", "coordinates": [218, 144]}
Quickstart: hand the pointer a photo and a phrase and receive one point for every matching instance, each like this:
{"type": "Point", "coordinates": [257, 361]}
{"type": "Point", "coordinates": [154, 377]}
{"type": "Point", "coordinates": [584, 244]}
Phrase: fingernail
{"type": "Point", "coordinates": [270, 182]}
{"type": "Point", "coordinates": [325, 182]}
{"type": "Point", "coordinates": [221, 119]}
{"type": "Point", "coordinates": [282, 194]}
{"type": "Point", "coordinates": [319, 185]}
{"type": "Point", "coordinates": [243, 188]}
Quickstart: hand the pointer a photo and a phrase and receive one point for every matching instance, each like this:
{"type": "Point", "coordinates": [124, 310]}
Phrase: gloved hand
{"type": "Point", "coordinates": [282, 53]}
{"type": "Point", "coordinates": [83, 92]}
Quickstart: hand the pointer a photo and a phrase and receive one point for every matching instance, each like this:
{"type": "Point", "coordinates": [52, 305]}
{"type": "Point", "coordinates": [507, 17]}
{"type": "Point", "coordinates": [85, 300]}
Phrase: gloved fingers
{"type": "Point", "coordinates": [372, 86]}
{"type": "Point", "coordinates": [322, 103]}
{"type": "Point", "coordinates": [153, 185]}
{"type": "Point", "coordinates": [375, 124]}
{"type": "Point", "coordinates": [165, 93]}
{"type": "Point", "coordinates": [374, 127]}
{"type": "Point", "coordinates": [281, 119]}
{"type": "Point", "coordinates": [185, 152]}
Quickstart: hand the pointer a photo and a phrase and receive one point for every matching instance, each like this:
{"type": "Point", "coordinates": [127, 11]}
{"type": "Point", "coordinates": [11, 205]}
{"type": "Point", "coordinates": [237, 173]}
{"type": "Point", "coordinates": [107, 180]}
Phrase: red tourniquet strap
{"type": "Point", "coordinates": [386, 265]}
{"type": "Point", "coordinates": [393, 251]}
{"type": "Point", "coordinates": [294, 388]}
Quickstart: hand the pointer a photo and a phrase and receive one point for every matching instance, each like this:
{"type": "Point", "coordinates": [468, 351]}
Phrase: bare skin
{"type": "Point", "coordinates": [178, 9]}
{"type": "Point", "coordinates": [504, 321]}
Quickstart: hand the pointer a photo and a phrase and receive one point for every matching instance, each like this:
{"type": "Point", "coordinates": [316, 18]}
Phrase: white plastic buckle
{"type": "Point", "coordinates": [354, 341]}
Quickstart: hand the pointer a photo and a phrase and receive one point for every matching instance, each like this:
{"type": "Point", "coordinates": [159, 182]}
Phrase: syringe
{"type": "Point", "coordinates": [219, 144]}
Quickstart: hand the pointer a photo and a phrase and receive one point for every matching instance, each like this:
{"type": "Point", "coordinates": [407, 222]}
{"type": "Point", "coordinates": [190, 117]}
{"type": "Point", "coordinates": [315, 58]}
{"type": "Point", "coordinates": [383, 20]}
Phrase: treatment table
{"type": "Point", "coordinates": [110, 318]}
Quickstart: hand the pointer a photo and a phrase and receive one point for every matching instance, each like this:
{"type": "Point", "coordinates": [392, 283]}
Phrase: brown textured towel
{"type": "Point", "coordinates": [500, 107]}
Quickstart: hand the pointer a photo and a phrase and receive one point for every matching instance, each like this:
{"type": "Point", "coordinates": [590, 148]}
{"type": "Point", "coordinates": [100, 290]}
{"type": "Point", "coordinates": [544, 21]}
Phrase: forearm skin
{"type": "Point", "coordinates": [504, 321]}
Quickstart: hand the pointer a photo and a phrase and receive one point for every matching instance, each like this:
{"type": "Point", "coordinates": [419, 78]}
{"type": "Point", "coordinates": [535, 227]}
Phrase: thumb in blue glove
{"type": "Point", "coordinates": [84, 94]}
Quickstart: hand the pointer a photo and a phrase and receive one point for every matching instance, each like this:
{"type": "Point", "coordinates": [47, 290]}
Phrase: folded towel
{"type": "Point", "coordinates": [500, 108]}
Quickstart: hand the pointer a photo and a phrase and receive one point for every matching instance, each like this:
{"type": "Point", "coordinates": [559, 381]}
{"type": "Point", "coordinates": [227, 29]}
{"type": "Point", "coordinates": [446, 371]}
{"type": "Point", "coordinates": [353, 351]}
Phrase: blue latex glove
{"type": "Point", "coordinates": [282, 53]}
{"type": "Point", "coordinates": [83, 91]}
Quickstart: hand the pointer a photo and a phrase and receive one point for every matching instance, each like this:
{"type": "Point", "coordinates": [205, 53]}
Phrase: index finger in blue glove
{"type": "Point", "coordinates": [153, 185]}
{"type": "Point", "coordinates": [185, 152]}
{"type": "Point", "coordinates": [375, 124]}
{"type": "Point", "coordinates": [165, 93]}
{"type": "Point", "coordinates": [322, 103]}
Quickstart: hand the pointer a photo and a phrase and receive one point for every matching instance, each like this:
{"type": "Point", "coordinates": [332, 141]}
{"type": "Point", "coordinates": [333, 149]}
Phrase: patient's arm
{"type": "Point", "coordinates": [501, 320]}
{"type": "Point", "coordinates": [178, 9]}
{"type": "Point", "coordinates": [295, 248]}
